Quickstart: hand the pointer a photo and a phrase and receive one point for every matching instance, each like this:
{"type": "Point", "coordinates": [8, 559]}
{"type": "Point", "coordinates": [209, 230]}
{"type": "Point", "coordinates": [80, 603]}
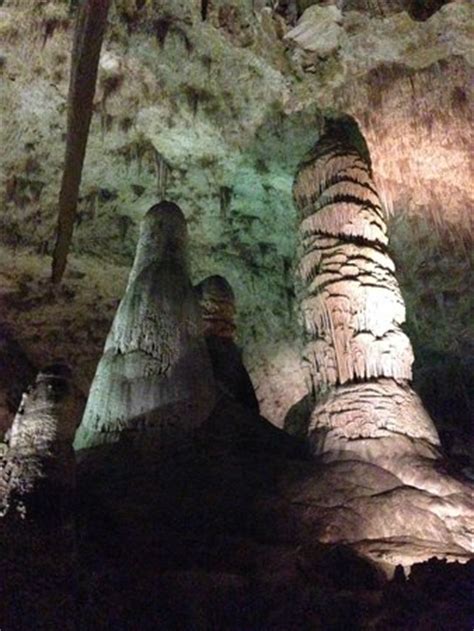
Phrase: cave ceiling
{"type": "Point", "coordinates": [213, 105]}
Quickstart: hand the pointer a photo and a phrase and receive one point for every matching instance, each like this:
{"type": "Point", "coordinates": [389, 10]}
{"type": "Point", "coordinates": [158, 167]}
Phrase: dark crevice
{"type": "Point", "coordinates": [356, 240]}
{"type": "Point", "coordinates": [339, 178]}
{"type": "Point", "coordinates": [422, 10]}
{"type": "Point", "coordinates": [204, 9]}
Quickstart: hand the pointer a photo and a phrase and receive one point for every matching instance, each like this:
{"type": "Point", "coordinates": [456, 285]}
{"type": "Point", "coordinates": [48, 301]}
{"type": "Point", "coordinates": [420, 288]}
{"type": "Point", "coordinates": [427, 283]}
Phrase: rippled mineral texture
{"type": "Point", "coordinates": [366, 418]}
{"type": "Point", "coordinates": [212, 105]}
{"type": "Point", "coordinates": [215, 114]}
{"type": "Point", "coordinates": [155, 376]}
{"type": "Point", "coordinates": [38, 561]}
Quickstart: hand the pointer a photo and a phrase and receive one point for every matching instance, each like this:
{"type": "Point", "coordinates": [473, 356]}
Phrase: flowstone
{"type": "Point", "coordinates": [154, 382]}
{"type": "Point", "coordinates": [385, 487]}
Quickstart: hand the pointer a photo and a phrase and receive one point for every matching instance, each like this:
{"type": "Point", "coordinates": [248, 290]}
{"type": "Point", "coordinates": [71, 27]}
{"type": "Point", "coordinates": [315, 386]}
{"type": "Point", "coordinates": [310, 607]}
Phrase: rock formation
{"type": "Point", "coordinates": [154, 377]}
{"type": "Point", "coordinates": [236, 422]}
{"type": "Point", "coordinates": [16, 372]}
{"type": "Point", "coordinates": [217, 302]}
{"type": "Point", "coordinates": [384, 479]}
{"type": "Point", "coordinates": [37, 479]}
{"type": "Point", "coordinates": [39, 455]}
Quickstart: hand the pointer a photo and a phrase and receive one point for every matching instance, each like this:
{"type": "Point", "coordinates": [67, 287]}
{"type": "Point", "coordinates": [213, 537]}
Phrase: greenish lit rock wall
{"type": "Point", "coordinates": [215, 114]}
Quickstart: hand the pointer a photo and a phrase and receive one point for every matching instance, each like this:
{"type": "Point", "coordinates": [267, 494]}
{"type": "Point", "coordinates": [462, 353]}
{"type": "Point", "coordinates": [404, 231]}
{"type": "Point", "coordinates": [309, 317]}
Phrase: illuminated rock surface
{"type": "Point", "coordinates": [37, 481]}
{"type": "Point", "coordinates": [213, 105]}
{"type": "Point", "coordinates": [216, 114]}
{"type": "Point", "coordinates": [155, 376]}
{"type": "Point", "coordinates": [385, 479]}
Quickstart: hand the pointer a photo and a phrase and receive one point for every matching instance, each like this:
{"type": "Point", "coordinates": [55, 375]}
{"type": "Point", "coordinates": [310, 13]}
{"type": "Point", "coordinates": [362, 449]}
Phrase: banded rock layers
{"type": "Point", "coordinates": [358, 354]}
{"type": "Point", "coordinates": [366, 417]}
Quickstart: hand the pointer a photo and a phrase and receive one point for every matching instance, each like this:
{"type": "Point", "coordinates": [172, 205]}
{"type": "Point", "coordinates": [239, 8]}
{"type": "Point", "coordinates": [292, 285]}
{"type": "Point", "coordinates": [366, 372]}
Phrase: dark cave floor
{"type": "Point", "coordinates": [204, 538]}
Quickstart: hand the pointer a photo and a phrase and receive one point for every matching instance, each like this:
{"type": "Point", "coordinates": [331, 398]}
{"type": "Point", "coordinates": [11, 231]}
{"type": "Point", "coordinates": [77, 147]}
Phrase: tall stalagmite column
{"type": "Point", "coordinates": [154, 381]}
{"type": "Point", "coordinates": [384, 487]}
{"type": "Point", "coordinates": [360, 359]}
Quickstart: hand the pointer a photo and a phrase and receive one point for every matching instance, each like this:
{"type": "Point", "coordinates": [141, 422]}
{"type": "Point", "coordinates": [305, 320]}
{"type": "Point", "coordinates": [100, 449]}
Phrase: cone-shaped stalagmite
{"type": "Point", "coordinates": [37, 534]}
{"type": "Point", "coordinates": [217, 303]}
{"type": "Point", "coordinates": [237, 419]}
{"type": "Point", "coordinates": [39, 451]}
{"type": "Point", "coordinates": [154, 380]}
{"type": "Point", "coordinates": [385, 462]}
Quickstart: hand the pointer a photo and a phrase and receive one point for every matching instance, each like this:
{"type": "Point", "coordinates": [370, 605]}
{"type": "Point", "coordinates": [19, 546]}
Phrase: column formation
{"type": "Point", "coordinates": [359, 357]}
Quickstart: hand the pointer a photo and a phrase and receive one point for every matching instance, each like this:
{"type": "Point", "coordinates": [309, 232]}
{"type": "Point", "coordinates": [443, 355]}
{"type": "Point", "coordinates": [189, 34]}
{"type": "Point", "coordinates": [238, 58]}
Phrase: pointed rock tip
{"type": "Point", "coordinates": [216, 286]}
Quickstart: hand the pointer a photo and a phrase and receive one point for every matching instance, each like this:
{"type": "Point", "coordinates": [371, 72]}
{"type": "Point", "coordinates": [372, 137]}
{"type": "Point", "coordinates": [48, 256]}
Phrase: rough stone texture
{"type": "Point", "coordinates": [37, 481]}
{"type": "Point", "coordinates": [366, 417]}
{"type": "Point", "coordinates": [353, 309]}
{"type": "Point", "coordinates": [16, 373]}
{"type": "Point", "coordinates": [216, 113]}
{"type": "Point", "coordinates": [211, 105]}
{"type": "Point", "coordinates": [39, 440]}
{"type": "Point", "coordinates": [217, 303]}
{"type": "Point", "coordinates": [373, 409]}
{"type": "Point", "coordinates": [224, 532]}
{"type": "Point", "coordinates": [154, 377]}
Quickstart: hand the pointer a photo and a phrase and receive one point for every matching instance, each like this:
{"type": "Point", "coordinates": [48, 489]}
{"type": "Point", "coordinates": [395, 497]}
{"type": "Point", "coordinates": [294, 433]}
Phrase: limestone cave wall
{"type": "Point", "coordinates": [213, 105]}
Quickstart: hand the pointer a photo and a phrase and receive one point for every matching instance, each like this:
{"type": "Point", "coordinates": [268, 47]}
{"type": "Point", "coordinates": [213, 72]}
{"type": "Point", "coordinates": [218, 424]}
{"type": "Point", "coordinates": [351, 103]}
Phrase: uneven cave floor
{"type": "Point", "coordinates": [202, 538]}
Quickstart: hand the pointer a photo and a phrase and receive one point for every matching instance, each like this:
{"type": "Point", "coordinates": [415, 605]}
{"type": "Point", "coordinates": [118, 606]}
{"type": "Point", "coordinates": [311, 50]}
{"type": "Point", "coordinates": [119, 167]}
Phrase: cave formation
{"type": "Point", "coordinates": [276, 433]}
{"type": "Point", "coordinates": [155, 373]}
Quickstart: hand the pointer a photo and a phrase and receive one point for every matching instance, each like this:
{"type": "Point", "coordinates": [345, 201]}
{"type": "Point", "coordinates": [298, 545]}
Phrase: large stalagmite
{"type": "Point", "coordinates": [366, 417]}
{"type": "Point", "coordinates": [154, 380]}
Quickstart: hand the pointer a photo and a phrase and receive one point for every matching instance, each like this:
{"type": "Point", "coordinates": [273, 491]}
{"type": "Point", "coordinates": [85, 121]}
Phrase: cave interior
{"type": "Point", "coordinates": [236, 315]}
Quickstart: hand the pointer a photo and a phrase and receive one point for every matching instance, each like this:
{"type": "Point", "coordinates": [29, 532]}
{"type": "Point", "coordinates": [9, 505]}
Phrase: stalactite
{"type": "Point", "coordinates": [89, 32]}
{"type": "Point", "coordinates": [162, 172]}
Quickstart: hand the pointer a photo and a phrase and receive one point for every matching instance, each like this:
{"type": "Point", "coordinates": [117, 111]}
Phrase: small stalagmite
{"type": "Point", "coordinates": [39, 461]}
{"type": "Point", "coordinates": [236, 422]}
{"type": "Point", "coordinates": [217, 302]}
{"type": "Point", "coordinates": [385, 487]}
{"type": "Point", "coordinates": [154, 382]}
{"type": "Point", "coordinates": [37, 490]}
